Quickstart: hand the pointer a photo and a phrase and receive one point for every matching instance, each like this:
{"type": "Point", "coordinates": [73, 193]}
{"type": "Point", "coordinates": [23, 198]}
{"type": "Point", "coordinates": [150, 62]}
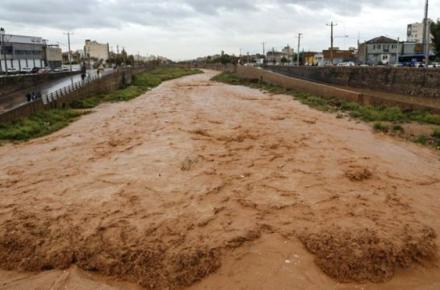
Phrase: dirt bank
{"type": "Point", "coordinates": [200, 181]}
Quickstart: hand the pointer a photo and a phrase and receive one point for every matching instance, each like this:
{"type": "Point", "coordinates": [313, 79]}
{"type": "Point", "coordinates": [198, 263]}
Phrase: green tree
{"type": "Point", "coordinates": [435, 30]}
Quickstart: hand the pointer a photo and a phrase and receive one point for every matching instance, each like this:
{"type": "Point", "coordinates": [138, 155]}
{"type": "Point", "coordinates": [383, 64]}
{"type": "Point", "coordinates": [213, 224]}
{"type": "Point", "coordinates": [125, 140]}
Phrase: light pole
{"type": "Point", "coordinates": [69, 54]}
{"type": "Point", "coordinates": [332, 25]}
{"type": "Point", "coordinates": [2, 32]}
{"type": "Point", "coordinates": [299, 45]}
{"type": "Point", "coordinates": [426, 35]}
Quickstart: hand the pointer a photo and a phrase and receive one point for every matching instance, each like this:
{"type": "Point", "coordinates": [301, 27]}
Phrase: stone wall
{"type": "Point", "coordinates": [324, 90]}
{"type": "Point", "coordinates": [296, 84]}
{"type": "Point", "coordinates": [416, 82]}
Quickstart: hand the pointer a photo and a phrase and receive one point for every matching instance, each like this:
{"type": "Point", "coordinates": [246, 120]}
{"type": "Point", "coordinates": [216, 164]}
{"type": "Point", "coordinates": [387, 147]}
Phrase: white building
{"type": "Point", "coordinates": [415, 31]}
{"type": "Point", "coordinates": [18, 52]}
{"type": "Point", "coordinates": [96, 51]}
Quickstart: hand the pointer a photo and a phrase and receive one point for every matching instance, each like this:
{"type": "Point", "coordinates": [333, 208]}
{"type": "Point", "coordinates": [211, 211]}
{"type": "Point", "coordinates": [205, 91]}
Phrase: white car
{"type": "Point", "coordinates": [347, 63]}
{"type": "Point", "coordinates": [12, 70]}
{"type": "Point", "coordinates": [26, 70]}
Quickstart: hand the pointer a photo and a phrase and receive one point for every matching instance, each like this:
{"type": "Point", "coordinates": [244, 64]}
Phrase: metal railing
{"type": "Point", "coordinates": [55, 95]}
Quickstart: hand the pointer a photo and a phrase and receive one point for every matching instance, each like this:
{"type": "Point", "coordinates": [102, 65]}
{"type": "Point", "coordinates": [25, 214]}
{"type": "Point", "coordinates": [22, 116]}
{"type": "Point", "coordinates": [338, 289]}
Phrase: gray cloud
{"type": "Point", "coordinates": [70, 14]}
{"type": "Point", "coordinates": [184, 28]}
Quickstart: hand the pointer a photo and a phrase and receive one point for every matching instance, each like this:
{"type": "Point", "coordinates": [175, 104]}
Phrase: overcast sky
{"type": "Point", "coordinates": [183, 29]}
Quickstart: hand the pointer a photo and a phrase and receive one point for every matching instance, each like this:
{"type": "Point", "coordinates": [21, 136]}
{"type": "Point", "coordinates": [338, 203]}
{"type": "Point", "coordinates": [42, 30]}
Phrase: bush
{"type": "Point", "coordinates": [422, 139]}
{"type": "Point", "coordinates": [381, 127]}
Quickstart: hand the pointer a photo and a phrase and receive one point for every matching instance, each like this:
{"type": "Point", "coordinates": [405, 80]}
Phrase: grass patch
{"type": "Point", "coordinates": [141, 83]}
{"type": "Point", "coordinates": [38, 124]}
{"type": "Point", "coordinates": [381, 127]}
{"type": "Point", "coordinates": [422, 139]}
{"type": "Point", "coordinates": [436, 137]}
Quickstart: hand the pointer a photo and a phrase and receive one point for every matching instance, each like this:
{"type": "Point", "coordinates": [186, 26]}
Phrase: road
{"type": "Point", "coordinates": [201, 185]}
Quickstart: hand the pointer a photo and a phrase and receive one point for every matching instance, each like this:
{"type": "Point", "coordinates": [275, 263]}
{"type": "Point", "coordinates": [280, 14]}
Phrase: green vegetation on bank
{"type": "Point", "coordinates": [385, 119]}
{"type": "Point", "coordinates": [141, 83]}
{"type": "Point", "coordinates": [38, 124]}
{"type": "Point", "coordinates": [46, 122]}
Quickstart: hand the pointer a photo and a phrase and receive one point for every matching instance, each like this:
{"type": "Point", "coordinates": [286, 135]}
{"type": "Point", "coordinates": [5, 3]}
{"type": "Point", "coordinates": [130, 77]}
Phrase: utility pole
{"type": "Point", "coordinates": [332, 25]}
{"type": "Point", "coordinates": [299, 45]}
{"type": "Point", "coordinates": [69, 54]}
{"type": "Point", "coordinates": [398, 52]}
{"type": "Point", "coordinates": [426, 35]}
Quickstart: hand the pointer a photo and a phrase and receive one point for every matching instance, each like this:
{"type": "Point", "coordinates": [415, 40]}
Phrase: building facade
{"type": "Point", "coordinates": [415, 32]}
{"type": "Point", "coordinates": [337, 56]}
{"type": "Point", "coordinates": [19, 52]}
{"type": "Point", "coordinates": [53, 56]}
{"type": "Point", "coordinates": [96, 51]}
{"type": "Point", "coordinates": [384, 50]}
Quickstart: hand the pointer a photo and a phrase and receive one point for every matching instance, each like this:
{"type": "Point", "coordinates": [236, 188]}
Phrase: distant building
{"type": "Point", "coordinates": [288, 51]}
{"type": "Point", "coordinates": [415, 32]}
{"type": "Point", "coordinates": [96, 51]}
{"type": "Point", "coordinates": [309, 58]}
{"type": "Point", "coordinates": [384, 50]}
{"type": "Point", "coordinates": [319, 59]}
{"type": "Point", "coordinates": [53, 56]}
{"type": "Point", "coordinates": [338, 56]}
{"type": "Point", "coordinates": [18, 52]}
{"type": "Point", "coordinates": [280, 57]}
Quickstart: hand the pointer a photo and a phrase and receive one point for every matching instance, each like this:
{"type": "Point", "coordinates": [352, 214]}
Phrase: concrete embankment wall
{"type": "Point", "coordinates": [106, 84]}
{"type": "Point", "coordinates": [296, 84]}
{"type": "Point", "coordinates": [319, 89]}
{"type": "Point", "coordinates": [416, 82]}
{"type": "Point", "coordinates": [9, 85]}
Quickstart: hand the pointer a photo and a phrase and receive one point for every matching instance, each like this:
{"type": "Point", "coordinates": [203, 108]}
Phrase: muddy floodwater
{"type": "Point", "coordinates": [201, 185]}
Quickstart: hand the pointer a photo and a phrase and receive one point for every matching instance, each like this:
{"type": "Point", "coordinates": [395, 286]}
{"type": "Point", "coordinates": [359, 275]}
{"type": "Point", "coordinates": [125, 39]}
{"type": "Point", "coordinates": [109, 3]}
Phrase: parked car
{"type": "Point", "coordinates": [347, 63]}
{"type": "Point", "coordinates": [12, 70]}
{"type": "Point", "coordinates": [35, 70]}
{"type": "Point", "coordinates": [44, 70]}
{"type": "Point", "coordinates": [26, 70]}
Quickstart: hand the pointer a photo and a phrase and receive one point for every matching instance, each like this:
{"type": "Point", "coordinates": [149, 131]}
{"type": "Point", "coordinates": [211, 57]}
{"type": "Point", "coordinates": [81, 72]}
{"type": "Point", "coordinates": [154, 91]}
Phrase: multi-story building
{"type": "Point", "coordinates": [288, 51]}
{"type": "Point", "coordinates": [18, 52]}
{"type": "Point", "coordinates": [384, 50]}
{"type": "Point", "coordinates": [96, 51]}
{"type": "Point", "coordinates": [53, 56]}
{"type": "Point", "coordinates": [415, 31]}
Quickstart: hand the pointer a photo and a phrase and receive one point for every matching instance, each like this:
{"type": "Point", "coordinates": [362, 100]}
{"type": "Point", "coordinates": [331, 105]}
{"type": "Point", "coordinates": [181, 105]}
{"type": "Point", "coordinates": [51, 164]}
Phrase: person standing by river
{"type": "Point", "coordinates": [83, 71]}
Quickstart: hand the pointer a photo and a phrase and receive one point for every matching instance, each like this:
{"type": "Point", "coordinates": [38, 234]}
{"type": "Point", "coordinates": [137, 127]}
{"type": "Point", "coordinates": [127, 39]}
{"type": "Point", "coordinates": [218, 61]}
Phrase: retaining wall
{"type": "Point", "coordinates": [296, 84]}
{"type": "Point", "coordinates": [418, 82]}
{"type": "Point", "coordinates": [9, 85]}
{"type": "Point", "coordinates": [324, 90]}
{"type": "Point", "coordinates": [106, 84]}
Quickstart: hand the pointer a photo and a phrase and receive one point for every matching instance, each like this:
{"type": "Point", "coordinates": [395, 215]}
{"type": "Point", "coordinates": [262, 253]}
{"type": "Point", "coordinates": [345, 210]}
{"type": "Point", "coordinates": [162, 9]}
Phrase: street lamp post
{"type": "Point", "coordinates": [426, 35]}
{"type": "Point", "coordinates": [299, 45]}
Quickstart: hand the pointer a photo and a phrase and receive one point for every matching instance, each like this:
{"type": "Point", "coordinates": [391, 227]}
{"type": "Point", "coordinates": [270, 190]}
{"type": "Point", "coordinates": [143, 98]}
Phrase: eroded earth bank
{"type": "Point", "coordinates": [202, 185]}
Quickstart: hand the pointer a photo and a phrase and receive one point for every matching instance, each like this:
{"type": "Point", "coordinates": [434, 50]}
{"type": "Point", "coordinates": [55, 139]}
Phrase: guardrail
{"type": "Point", "coordinates": [53, 96]}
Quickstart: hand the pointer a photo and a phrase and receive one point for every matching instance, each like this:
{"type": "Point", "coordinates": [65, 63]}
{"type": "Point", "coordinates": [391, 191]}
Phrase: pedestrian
{"type": "Point", "coordinates": [28, 97]}
{"type": "Point", "coordinates": [83, 71]}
